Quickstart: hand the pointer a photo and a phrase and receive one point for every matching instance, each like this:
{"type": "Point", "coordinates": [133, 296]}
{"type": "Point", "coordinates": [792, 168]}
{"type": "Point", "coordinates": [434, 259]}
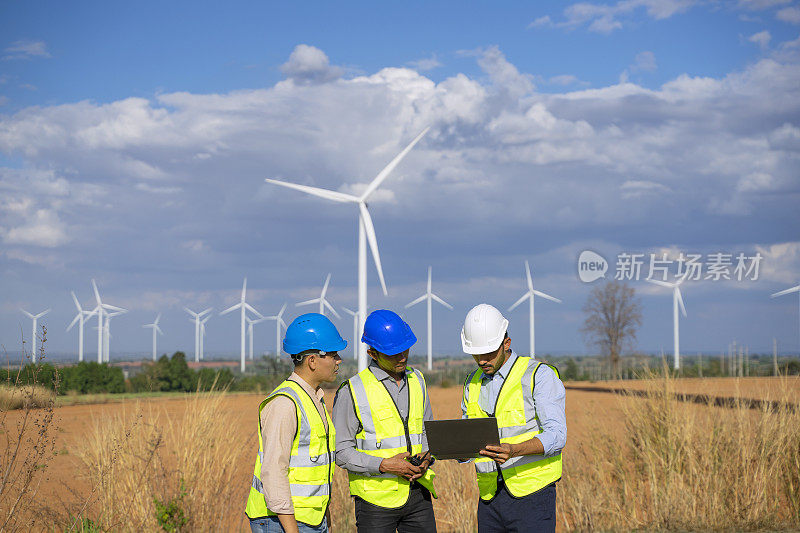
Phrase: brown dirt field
{"type": "Point", "coordinates": [586, 412]}
{"type": "Point", "coordinates": [781, 389]}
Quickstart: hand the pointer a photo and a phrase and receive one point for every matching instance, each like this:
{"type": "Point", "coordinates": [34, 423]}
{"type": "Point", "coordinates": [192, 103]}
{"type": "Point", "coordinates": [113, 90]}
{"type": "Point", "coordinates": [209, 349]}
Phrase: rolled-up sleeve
{"type": "Point", "coordinates": [347, 425]}
{"type": "Point", "coordinates": [549, 397]}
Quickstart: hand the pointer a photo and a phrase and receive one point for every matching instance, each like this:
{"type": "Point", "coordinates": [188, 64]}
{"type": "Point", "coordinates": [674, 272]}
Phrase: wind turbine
{"type": "Point", "coordinates": [203, 336]}
{"type": "Point", "coordinates": [366, 232]}
{"type": "Point", "coordinates": [33, 335]}
{"type": "Point", "coordinates": [677, 300]}
{"type": "Point", "coordinates": [323, 303]}
{"type": "Point", "coordinates": [530, 295]}
{"type": "Point", "coordinates": [250, 323]}
{"type": "Point", "coordinates": [356, 338]}
{"type": "Point", "coordinates": [429, 296]}
{"type": "Point", "coordinates": [156, 330]}
{"type": "Point", "coordinates": [244, 306]}
{"type": "Point", "coordinates": [789, 291]}
{"type": "Point", "coordinates": [107, 334]}
{"type": "Point", "coordinates": [79, 318]}
{"type": "Point", "coordinates": [278, 323]}
{"type": "Point", "coordinates": [101, 309]}
{"type": "Point", "coordinates": [197, 320]}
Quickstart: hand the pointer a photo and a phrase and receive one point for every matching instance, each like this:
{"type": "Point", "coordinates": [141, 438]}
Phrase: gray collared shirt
{"type": "Point", "coordinates": [347, 425]}
{"type": "Point", "coordinates": [548, 397]}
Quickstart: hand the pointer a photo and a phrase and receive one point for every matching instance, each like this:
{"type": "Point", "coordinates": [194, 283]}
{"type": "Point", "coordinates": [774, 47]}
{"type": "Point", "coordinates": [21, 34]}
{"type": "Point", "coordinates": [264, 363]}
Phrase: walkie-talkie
{"type": "Point", "coordinates": [416, 460]}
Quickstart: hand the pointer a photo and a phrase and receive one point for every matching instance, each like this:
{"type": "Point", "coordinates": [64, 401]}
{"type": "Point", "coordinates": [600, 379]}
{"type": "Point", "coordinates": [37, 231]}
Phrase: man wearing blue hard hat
{"type": "Point", "coordinates": [380, 439]}
{"type": "Point", "coordinates": [292, 480]}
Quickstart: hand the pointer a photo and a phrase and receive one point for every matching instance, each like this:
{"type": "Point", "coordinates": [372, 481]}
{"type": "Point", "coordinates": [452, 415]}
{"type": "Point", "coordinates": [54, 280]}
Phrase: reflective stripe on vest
{"type": "Point", "coordinates": [383, 434]}
{"type": "Point", "coordinates": [310, 461]}
{"type": "Point", "coordinates": [517, 422]}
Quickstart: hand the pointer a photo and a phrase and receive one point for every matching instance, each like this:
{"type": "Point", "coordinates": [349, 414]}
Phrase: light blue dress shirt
{"type": "Point", "coordinates": [549, 398]}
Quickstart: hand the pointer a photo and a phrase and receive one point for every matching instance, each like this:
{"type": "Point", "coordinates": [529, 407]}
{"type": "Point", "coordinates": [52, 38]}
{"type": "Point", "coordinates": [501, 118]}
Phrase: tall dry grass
{"type": "Point", "coordinates": [683, 466]}
{"type": "Point", "coordinates": [150, 471]}
{"type": "Point", "coordinates": [25, 396]}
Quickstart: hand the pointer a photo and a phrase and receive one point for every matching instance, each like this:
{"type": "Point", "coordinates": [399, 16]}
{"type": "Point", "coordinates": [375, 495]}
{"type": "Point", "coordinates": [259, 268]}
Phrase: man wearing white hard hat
{"type": "Point", "coordinates": [517, 479]}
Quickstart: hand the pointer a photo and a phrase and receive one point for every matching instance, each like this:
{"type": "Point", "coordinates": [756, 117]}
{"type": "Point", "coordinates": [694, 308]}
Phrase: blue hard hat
{"type": "Point", "coordinates": [385, 331]}
{"type": "Point", "coordinates": [312, 331]}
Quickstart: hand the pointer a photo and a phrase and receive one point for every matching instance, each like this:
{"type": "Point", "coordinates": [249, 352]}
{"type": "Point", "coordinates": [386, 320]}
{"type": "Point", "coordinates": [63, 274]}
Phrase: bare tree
{"type": "Point", "coordinates": [613, 312]}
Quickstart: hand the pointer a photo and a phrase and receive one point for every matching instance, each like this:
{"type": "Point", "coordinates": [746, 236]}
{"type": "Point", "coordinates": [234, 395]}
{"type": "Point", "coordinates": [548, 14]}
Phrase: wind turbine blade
{"type": "Point", "coordinates": [158, 317]}
{"type": "Point", "coordinates": [280, 313]}
{"type": "Point", "coordinates": [27, 313]}
{"type": "Point", "coordinates": [244, 289]}
{"type": "Point", "coordinates": [114, 308]}
{"type": "Point", "coordinates": [96, 292]}
{"type": "Point", "coordinates": [661, 283]}
{"type": "Point", "coordinates": [40, 315]}
{"type": "Point", "coordinates": [418, 300]}
{"type": "Point", "coordinates": [75, 299]}
{"type": "Point", "coordinates": [325, 287]}
{"type": "Point", "coordinates": [203, 312]}
{"type": "Point", "coordinates": [307, 302]}
{"type": "Point", "coordinates": [373, 243]}
{"type": "Point", "coordinates": [680, 301]}
{"type": "Point", "coordinates": [524, 297]}
{"type": "Point", "coordinates": [349, 311]}
{"type": "Point", "coordinates": [159, 329]}
{"type": "Point", "coordinates": [546, 296]}
{"type": "Point", "coordinates": [330, 308]}
{"type": "Point", "coordinates": [283, 323]}
{"type": "Point", "coordinates": [388, 168]}
{"type": "Point", "coordinates": [787, 291]}
{"type": "Point", "coordinates": [231, 308]}
{"type": "Point", "coordinates": [189, 311]}
{"type": "Point", "coordinates": [253, 310]}
{"type": "Point", "coordinates": [429, 279]}
{"type": "Point", "coordinates": [74, 321]}
{"type": "Point", "coordinates": [447, 305]}
{"type": "Point", "coordinates": [528, 274]}
{"type": "Point", "coordinates": [315, 191]}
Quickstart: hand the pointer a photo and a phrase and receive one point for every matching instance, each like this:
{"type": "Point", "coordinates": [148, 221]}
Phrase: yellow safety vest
{"type": "Point", "coordinates": [517, 422]}
{"type": "Point", "coordinates": [385, 434]}
{"type": "Point", "coordinates": [310, 462]}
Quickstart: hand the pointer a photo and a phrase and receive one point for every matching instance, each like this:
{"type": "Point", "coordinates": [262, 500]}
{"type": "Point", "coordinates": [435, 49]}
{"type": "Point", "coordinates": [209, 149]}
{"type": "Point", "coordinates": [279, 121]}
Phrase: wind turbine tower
{"type": "Point", "coordinates": [100, 310]}
{"type": "Point", "coordinates": [244, 306]}
{"type": "Point", "coordinates": [429, 297]}
{"type": "Point", "coordinates": [677, 301]}
{"type": "Point", "coordinates": [529, 295]}
{"type": "Point", "coordinates": [278, 323]}
{"type": "Point", "coordinates": [250, 323]}
{"type": "Point", "coordinates": [197, 320]}
{"type": "Point", "coordinates": [789, 291]}
{"type": "Point", "coordinates": [203, 336]}
{"type": "Point", "coordinates": [356, 338]}
{"type": "Point", "coordinates": [156, 330]}
{"type": "Point", "coordinates": [35, 319]}
{"type": "Point", "coordinates": [79, 318]}
{"type": "Point", "coordinates": [366, 233]}
{"type": "Point", "coordinates": [323, 303]}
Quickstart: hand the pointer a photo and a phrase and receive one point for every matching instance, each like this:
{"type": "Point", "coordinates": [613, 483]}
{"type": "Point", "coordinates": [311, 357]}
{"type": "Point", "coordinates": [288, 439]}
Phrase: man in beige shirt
{"type": "Point", "coordinates": [280, 500]}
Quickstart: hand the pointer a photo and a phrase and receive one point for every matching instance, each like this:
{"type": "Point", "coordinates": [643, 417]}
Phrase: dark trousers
{"type": "Point", "coordinates": [416, 516]}
{"type": "Point", "coordinates": [532, 513]}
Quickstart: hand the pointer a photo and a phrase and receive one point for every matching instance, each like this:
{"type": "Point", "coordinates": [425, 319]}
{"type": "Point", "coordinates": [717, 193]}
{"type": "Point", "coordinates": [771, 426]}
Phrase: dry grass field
{"type": "Point", "coordinates": [630, 463]}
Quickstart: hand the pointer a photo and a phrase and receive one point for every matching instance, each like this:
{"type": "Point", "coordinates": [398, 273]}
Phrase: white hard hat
{"type": "Point", "coordinates": [484, 330]}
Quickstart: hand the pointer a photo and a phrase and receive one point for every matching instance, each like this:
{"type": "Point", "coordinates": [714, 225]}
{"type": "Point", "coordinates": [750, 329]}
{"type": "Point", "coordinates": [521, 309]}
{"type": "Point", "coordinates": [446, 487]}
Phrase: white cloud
{"type": "Point", "coordinates": [759, 5]}
{"type": "Point", "coordinates": [541, 21]}
{"type": "Point", "coordinates": [761, 38]}
{"type": "Point", "coordinates": [25, 49]}
{"type": "Point", "coordinates": [644, 61]}
{"type": "Point", "coordinates": [41, 228]}
{"type": "Point", "coordinates": [425, 64]}
{"type": "Point", "coordinates": [638, 188]}
{"type": "Point", "coordinates": [606, 18]}
{"type": "Point", "coordinates": [781, 262]}
{"type": "Point", "coordinates": [310, 65]}
{"type": "Point", "coordinates": [789, 14]}
{"type": "Point", "coordinates": [564, 79]}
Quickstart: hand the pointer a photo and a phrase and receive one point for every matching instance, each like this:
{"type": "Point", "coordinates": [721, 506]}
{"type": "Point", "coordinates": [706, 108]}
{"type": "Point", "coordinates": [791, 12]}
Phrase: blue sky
{"type": "Point", "coordinates": [134, 139]}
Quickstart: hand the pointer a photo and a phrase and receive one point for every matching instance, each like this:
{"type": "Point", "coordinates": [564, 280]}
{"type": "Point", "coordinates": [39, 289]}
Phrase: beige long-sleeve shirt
{"type": "Point", "coordinates": [278, 428]}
